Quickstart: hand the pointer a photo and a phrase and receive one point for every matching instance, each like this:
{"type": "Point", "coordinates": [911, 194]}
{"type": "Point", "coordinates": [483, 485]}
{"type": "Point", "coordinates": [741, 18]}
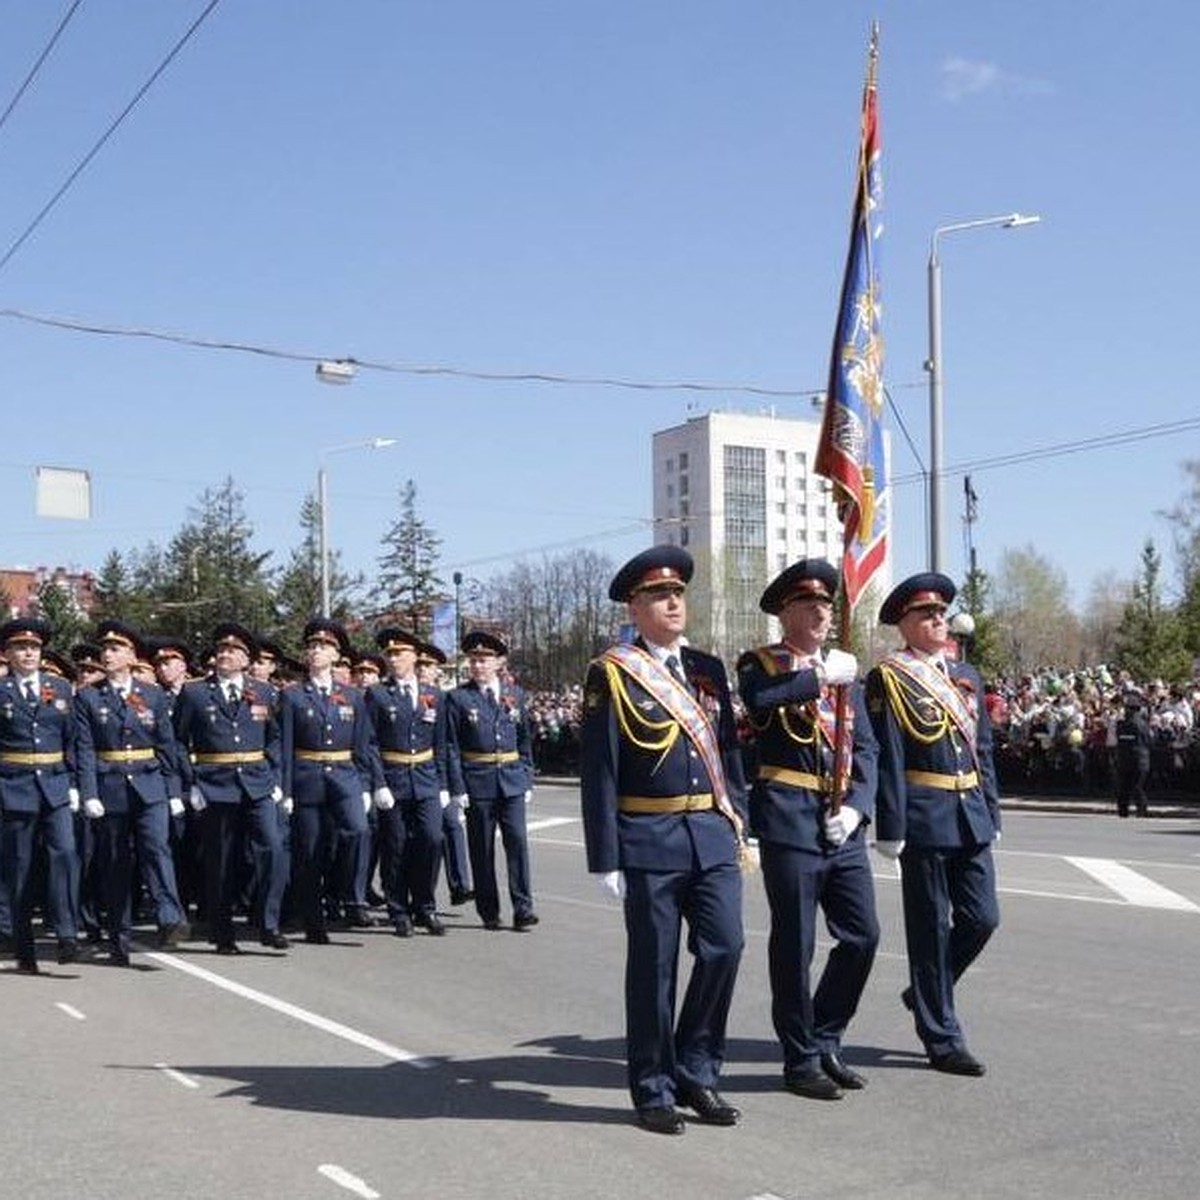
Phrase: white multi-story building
{"type": "Point", "coordinates": [739, 492]}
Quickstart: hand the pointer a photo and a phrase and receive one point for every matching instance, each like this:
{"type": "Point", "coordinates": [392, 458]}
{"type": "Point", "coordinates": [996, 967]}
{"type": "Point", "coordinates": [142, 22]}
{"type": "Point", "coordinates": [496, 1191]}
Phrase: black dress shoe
{"type": "Point", "coordinates": [813, 1083]}
{"type": "Point", "coordinates": [661, 1120]}
{"type": "Point", "coordinates": [906, 998]}
{"type": "Point", "coordinates": [360, 918]}
{"type": "Point", "coordinates": [374, 899]}
{"type": "Point", "coordinates": [316, 937]}
{"type": "Point", "coordinates": [431, 923]}
{"type": "Point", "coordinates": [492, 923]}
{"type": "Point", "coordinates": [174, 935]}
{"type": "Point", "coordinates": [402, 927]}
{"type": "Point", "coordinates": [28, 966]}
{"type": "Point", "coordinates": [461, 896]}
{"type": "Point", "coordinates": [119, 958]}
{"type": "Point", "coordinates": [842, 1075]}
{"type": "Point", "coordinates": [525, 921]}
{"type": "Point", "coordinates": [68, 950]}
{"type": "Point", "coordinates": [229, 949]}
{"type": "Point", "coordinates": [708, 1105]}
{"type": "Point", "coordinates": [273, 939]}
{"type": "Point", "coordinates": [957, 1062]}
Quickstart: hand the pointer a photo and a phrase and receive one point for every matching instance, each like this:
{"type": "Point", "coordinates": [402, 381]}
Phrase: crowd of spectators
{"type": "Point", "coordinates": [1055, 731]}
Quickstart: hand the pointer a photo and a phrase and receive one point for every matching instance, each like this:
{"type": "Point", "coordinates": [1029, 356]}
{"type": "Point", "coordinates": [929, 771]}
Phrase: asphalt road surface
{"type": "Point", "coordinates": [490, 1064]}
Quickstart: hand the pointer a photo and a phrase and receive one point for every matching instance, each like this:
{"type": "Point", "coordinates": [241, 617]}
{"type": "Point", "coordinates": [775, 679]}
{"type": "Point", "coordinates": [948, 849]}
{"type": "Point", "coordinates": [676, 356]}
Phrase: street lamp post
{"type": "Point", "coordinates": [934, 367]}
{"type": "Point", "coordinates": [458, 578]}
{"type": "Point", "coordinates": [323, 505]}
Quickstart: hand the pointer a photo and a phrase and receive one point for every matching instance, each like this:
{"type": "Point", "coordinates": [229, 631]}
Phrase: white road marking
{"type": "Point", "coordinates": [178, 1076]}
{"type": "Point", "coordinates": [549, 823]}
{"type": "Point", "coordinates": [388, 1051]}
{"type": "Point", "coordinates": [70, 1010]}
{"type": "Point", "coordinates": [1132, 887]}
{"type": "Point", "coordinates": [351, 1183]}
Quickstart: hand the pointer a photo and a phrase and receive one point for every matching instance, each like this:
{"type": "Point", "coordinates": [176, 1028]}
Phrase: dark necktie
{"type": "Point", "coordinates": [676, 670]}
{"type": "Point", "coordinates": [406, 692]}
{"type": "Point", "coordinates": [30, 694]}
{"type": "Point", "coordinates": [234, 696]}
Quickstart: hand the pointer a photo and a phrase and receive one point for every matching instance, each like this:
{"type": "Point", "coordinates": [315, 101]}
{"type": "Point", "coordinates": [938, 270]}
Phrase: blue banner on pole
{"type": "Point", "coordinates": [444, 620]}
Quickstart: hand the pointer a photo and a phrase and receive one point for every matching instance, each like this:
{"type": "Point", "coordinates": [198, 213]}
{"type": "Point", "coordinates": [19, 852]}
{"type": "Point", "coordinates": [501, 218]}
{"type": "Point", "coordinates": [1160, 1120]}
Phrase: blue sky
{"type": "Point", "coordinates": [588, 188]}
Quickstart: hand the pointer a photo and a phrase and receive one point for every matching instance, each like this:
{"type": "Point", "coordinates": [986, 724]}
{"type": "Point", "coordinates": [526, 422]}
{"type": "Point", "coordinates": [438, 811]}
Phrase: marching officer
{"type": "Point", "coordinates": [226, 725]}
{"type": "Point", "coordinates": [430, 660]}
{"type": "Point", "coordinates": [812, 858]}
{"type": "Point", "coordinates": [37, 792]}
{"type": "Point", "coordinates": [410, 729]}
{"type": "Point", "coordinates": [489, 765]}
{"type": "Point", "coordinates": [329, 763]}
{"type": "Point", "coordinates": [128, 762]}
{"type": "Point", "coordinates": [663, 817]}
{"type": "Point", "coordinates": [937, 808]}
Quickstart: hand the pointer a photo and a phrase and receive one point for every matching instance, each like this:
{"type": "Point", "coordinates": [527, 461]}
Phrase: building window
{"type": "Point", "coordinates": [781, 507]}
{"type": "Point", "coordinates": [800, 482]}
{"type": "Point", "coordinates": [684, 508]}
{"type": "Point", "coordinates": [781, 533]}
{"type": "Point", "coordinates": [781, 456]}
{"type": "Point", "coordinates": [801, 458]}
{"type": "Point", "coordinates": [781, 482]}
{"type": "Point", "coordinates": [683, 485]}
{"type": "Point", "coordinates": [822, 537]}
{"type": "Point", "coordinates": [821, 510]}
{"type": "Point", "coordinates": [801, 509]}
{"type": "Point", "coordinates": [683, 460]}
{"type": "Point", "coordinates": [670, 465]}
{"type": "Point", "coordinates": [781, 562]}
{"type": "Point", "coordinates": [670, 490]}
{"type": "Point", "coordinates": [683, 536]}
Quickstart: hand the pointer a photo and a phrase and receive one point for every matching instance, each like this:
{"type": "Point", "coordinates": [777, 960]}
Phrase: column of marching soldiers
{"type": "Point", "coordinates": [278, 790]}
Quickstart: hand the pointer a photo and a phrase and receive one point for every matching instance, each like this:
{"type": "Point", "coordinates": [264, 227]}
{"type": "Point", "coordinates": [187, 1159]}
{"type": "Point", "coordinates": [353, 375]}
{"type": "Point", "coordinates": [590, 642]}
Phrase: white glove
{"type": "Point", "coordinates": [612, 882]}
{"type": "Point", "coordinates": [840, 667]}
{"type": "Point", "coordinates": [73, 799]}
{"type": "Point", "coordinates": [529, 795]}
{"type": "Point", "coordinates": [384, 799]}
{"type": "Point", "coordinates": [287, 804]}
{"type": "Point", "coordinates": [196, 799]}
{"type": "Point", "coordinates": [890, 849]}
{"type": "Point", "coordinates": [443, 798]}
{"type": "Point", "coordinates": [463, 801]}
{"type": "Point", "coordinates": [176, 806]}
{"type": "Point", "coordinates": [93, 809]}
{"type": "Point", "coordinates": [366, 802]}
{"type": "Point", "coordinates": [840, 825]}
{"type": "Point", "coordinates": [277, 793]}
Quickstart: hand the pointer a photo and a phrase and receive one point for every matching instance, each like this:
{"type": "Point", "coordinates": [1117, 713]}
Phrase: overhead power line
{"type": "Point", "coordinates": [81, 166]}
{"type": "Point", "coordinates": [37, 66]}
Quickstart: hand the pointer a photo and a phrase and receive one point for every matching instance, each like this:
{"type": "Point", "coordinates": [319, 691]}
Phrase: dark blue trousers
{"type": "Point", "coordinates": [950, 911]}
{"type": "Point", "coordinates": [227, 828]}
{"type": "Point", "coordinates": [665, 1055]}
{"type": "Point", "coordinates": [798, 884]}
{"type": "Point", "coordinates": [410, 849]}
{"type": "Point", "coordinates": [483, 818]}
{"type": "Point", "coordinates": [318, 832]}
{"type": "Point", "coordinates": [454, 849]}
{"type": "Point", "coordinates": [149, 826]}
{"type": "Point", "coordinates": [18, 842]}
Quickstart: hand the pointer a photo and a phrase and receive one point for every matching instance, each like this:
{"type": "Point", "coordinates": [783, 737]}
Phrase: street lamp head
{"type": "Point", "coordinates": [379, 443]}
{"type": "Point", "coordinates": [336, 370]}
{"type": "Point", "coordinates": [1019, 219]}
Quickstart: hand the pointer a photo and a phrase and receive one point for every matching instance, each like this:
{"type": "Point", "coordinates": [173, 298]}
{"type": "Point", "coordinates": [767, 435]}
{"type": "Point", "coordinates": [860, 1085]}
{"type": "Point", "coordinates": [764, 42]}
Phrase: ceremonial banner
{"type": "Point", "coordinates": [444, 617]}
{"type": "Point", "coordinates": [851, 451]}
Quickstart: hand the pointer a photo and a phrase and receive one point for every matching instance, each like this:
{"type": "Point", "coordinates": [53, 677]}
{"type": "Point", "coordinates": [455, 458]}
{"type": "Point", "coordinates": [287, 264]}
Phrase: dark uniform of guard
{"type": "Point", "coordinates": [328, 763]}
{"type": "Point", "coordinates": [37, 792]}
{"type": "Point", "coordinates": [663, 813]}
{"type": "Point", "coordinates": [489, 760]}
{"type": "Point", "coordinates": [430, 660]}
{"type": "Point", "coordinates": [808, 861]}
{"type": "Point", "coordinates": [409, 719]}
{"type": "Point", "coordinates": [227, 726]}
{"type": "Point", "coordinates": [1134, 743]}
{"type": "Point", "coordinates": [937, 808]}
{"type": "Point", "coordinates": [128, 763]}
